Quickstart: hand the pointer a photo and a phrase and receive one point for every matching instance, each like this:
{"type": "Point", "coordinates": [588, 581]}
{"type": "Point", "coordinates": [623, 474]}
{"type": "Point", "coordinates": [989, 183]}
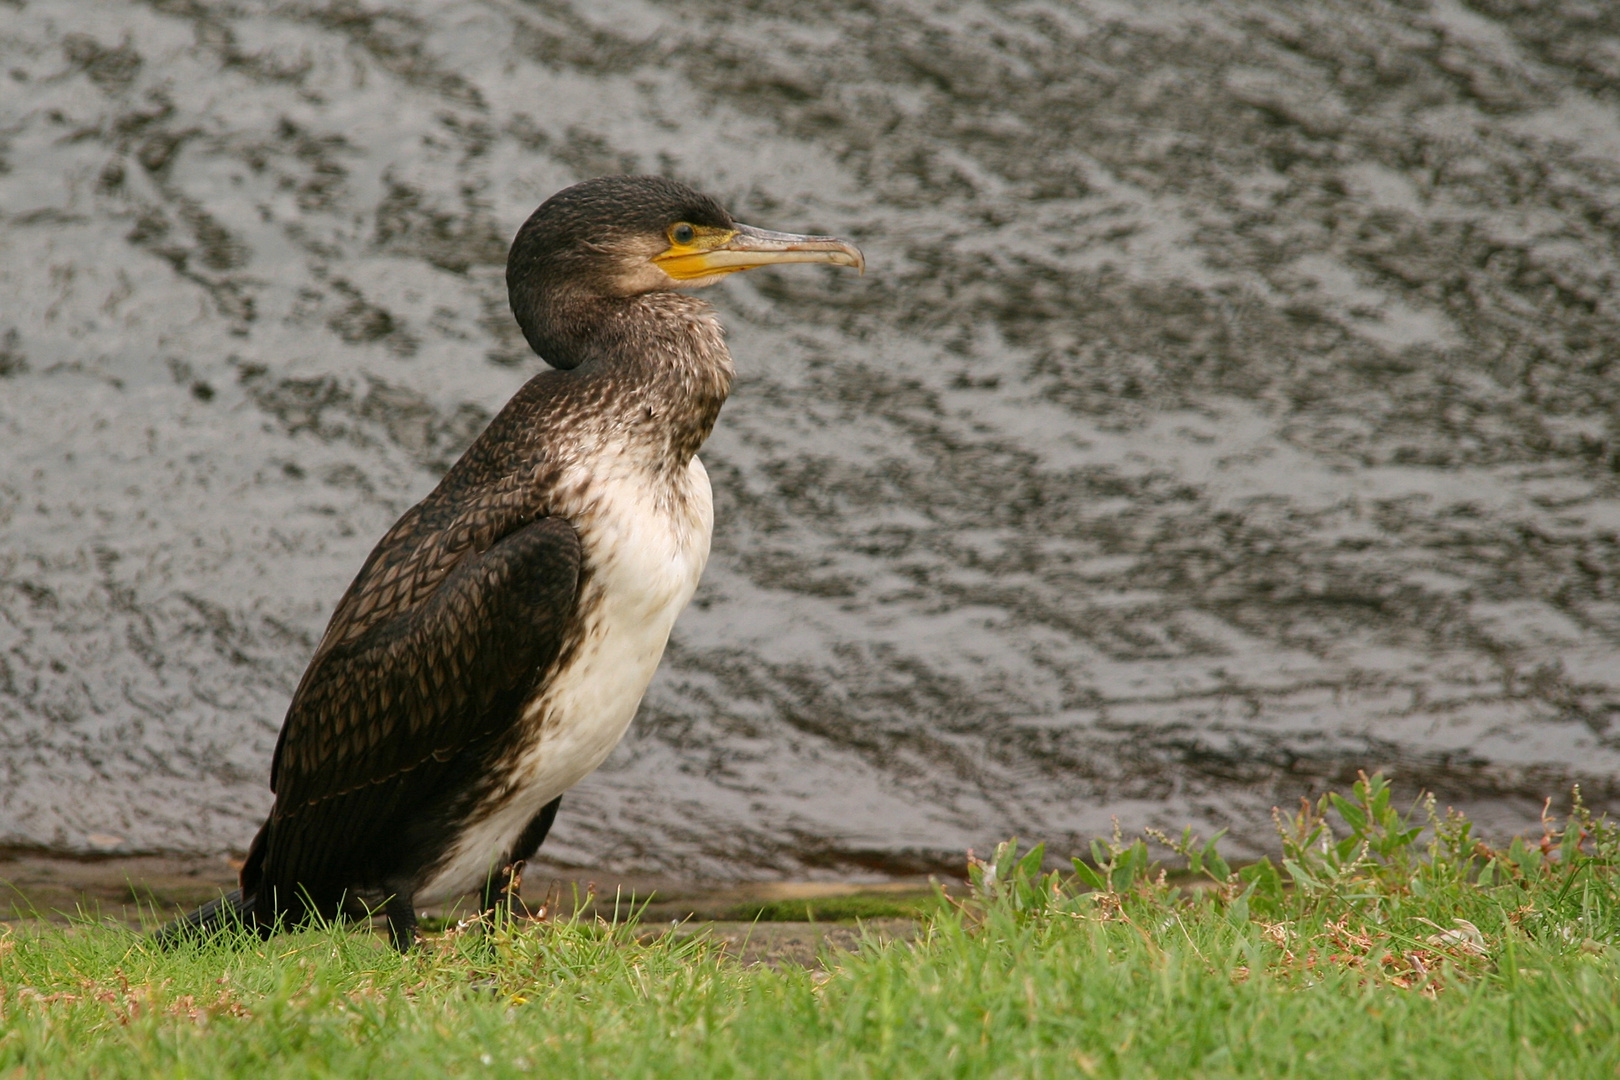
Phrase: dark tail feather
{"type": "Point", "coordinates": [229, 912]}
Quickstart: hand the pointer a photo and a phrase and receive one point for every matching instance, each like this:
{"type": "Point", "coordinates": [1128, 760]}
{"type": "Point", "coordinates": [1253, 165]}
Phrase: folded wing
{"type": "Point", "coordinates": [421, 676]}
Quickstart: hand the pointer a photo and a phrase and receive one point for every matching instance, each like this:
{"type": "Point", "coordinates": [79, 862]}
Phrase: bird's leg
{"type": "Point", "coordinates": [504, 889]}
{"type": "Point", "coordinates": [401, 921]}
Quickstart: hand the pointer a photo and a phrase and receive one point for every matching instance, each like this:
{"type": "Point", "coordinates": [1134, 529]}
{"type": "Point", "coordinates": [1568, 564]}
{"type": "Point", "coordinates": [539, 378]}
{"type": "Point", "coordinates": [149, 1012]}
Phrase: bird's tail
{"type": "Point", "coordinates": [233, 911]}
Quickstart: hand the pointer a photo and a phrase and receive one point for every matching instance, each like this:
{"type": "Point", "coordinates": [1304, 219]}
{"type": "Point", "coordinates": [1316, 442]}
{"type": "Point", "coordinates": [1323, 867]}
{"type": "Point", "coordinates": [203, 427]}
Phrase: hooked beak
{"type": "Point", "coordinates": [749, 247]}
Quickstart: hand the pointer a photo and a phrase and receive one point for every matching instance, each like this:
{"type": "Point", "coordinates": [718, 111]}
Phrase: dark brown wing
{"type": "Point", "coordinates": [423, 670]}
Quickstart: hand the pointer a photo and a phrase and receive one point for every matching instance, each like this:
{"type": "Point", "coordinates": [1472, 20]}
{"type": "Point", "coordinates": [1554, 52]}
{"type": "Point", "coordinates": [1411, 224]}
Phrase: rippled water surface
{"type": "Point", "coordinates": [1232, 401]}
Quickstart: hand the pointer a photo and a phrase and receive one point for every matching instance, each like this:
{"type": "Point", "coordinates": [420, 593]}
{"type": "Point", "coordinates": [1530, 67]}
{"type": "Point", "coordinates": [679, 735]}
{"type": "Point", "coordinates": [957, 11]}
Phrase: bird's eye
{"type": "Point", "coordinates": [683, 233]}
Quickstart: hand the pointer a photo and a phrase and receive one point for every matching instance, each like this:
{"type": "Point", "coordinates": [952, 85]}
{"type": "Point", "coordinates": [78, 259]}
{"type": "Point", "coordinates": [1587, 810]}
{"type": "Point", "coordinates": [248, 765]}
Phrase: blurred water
{"type": "Point", "coordinates": [1232, 401]}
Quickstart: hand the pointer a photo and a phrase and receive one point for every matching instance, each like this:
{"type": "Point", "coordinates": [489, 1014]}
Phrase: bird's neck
{"type": "Point", "coordinates": [663, 361]}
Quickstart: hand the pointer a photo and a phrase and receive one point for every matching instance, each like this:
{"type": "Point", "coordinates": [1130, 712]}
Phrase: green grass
{"type": "Point", "coordinates": [851, 908]}
{"type": "Point", "coordinates": [1374, 948]}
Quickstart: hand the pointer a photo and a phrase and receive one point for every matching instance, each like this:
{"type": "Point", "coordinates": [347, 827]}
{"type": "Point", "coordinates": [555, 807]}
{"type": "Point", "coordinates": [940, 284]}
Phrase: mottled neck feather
{"type": "Point", "coordinates": [662, 356]}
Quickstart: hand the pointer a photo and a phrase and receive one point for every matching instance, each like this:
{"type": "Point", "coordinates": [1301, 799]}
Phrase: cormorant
{"type": "Point", "coordinates": [498, 640]}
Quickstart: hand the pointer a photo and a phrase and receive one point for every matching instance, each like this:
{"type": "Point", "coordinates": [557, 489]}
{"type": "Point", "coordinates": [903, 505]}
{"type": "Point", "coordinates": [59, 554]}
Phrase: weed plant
{"type": "Point", "coordinates": [1380, 944]}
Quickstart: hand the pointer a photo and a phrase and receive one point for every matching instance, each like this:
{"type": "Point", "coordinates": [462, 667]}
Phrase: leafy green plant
{"type": "Point", "coordinates": [1360, 882]}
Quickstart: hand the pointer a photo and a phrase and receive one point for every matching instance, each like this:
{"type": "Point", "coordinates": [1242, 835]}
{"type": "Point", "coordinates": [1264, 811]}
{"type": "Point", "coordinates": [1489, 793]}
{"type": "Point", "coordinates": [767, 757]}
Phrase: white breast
{"type": "Point", "coordinates": [645, 546]}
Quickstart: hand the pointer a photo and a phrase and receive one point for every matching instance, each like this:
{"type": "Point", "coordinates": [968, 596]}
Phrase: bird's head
{"type": "Point", "coordinates": [621, 236]}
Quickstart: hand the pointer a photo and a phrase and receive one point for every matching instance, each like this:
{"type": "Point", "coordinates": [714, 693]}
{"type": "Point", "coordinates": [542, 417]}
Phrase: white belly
{"type": "Point", "coordinates": [644, 565]}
